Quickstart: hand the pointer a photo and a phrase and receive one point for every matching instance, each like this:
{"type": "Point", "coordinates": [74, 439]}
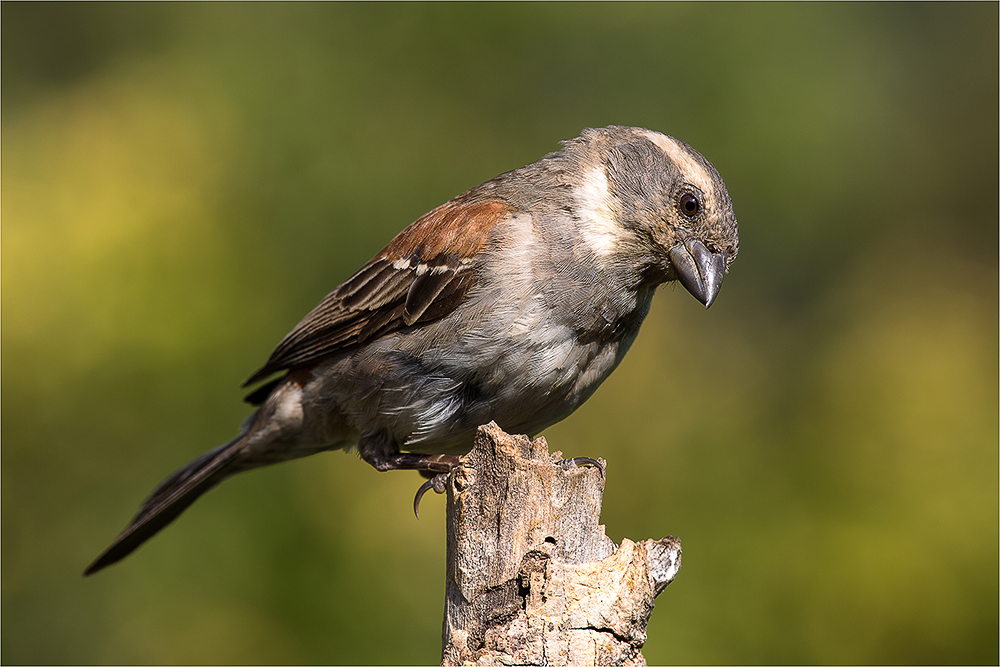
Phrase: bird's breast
{"type": "Point", "coordinates": [525, 368]}
{"type": "Point", "coordinates": [527, 346]}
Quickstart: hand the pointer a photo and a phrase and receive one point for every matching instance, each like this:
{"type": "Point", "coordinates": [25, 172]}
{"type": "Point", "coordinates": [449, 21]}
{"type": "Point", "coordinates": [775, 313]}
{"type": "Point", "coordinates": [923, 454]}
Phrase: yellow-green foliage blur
{"type": "Point", "coordinates": [182, 182]}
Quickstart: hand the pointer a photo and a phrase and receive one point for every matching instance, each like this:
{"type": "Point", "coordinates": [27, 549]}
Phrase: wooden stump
{"type": "Point", "coordinates": [532, 579]}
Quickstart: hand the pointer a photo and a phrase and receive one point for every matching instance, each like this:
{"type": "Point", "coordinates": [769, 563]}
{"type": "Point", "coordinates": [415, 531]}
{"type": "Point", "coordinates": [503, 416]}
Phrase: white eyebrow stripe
{"type": "Point", "coordinates": [695, 174]}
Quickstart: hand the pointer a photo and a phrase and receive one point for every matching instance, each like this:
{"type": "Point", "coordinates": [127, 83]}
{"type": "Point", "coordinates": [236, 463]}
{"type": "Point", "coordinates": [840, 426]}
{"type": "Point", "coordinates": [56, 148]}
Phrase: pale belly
{"type": "Point", "coordinates": [430, 398]}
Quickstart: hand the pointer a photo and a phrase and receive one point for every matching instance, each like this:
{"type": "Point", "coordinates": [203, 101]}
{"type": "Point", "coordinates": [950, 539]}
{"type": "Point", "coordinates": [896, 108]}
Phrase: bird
{"type": "Point", "coordinates": [510, 303]}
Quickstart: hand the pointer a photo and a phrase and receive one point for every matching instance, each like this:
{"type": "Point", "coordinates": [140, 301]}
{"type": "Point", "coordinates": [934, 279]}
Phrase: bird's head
{"type": "Point", "coordinates": [652, 200]}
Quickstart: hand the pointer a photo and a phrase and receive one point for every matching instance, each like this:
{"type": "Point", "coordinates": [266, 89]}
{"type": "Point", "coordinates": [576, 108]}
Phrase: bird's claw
{"type": "Point", "coordinates": [587, 461]}
{"type": "Point", "coordinates": [437, 482]}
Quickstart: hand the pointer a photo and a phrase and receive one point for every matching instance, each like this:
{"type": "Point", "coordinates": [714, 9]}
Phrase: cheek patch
{"type": "Point", "coordinates": [596, 208]}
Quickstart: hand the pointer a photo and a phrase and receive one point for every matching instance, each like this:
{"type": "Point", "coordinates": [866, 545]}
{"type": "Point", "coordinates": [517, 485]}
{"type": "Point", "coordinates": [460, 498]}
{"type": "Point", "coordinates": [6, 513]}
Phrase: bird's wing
{"type": "Point", "coordinates": [423, 274]}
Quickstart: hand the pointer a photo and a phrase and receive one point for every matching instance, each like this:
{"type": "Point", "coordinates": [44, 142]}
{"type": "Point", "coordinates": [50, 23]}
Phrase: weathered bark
{"type": "Point", "coordinates": [532, 578]}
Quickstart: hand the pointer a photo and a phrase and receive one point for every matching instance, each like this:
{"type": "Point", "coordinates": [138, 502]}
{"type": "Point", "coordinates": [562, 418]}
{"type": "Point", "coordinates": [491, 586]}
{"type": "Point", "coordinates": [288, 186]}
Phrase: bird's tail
{"type": "Point", "coordinates": [171, 497]}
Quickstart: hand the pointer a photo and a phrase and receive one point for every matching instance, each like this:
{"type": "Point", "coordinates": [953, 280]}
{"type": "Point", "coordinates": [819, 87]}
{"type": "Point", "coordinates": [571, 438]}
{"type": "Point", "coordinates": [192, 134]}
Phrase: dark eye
{"type": "Point", "coordinates": [689, 204]}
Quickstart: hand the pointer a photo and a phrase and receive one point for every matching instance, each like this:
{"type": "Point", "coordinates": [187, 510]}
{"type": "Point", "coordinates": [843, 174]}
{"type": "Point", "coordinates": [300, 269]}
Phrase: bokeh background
{"type": "Point", "coordinates": [182, 182]}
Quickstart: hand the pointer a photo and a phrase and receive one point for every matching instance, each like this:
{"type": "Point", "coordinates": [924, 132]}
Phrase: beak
{"type": "Point", "coordinates": [699, 270]}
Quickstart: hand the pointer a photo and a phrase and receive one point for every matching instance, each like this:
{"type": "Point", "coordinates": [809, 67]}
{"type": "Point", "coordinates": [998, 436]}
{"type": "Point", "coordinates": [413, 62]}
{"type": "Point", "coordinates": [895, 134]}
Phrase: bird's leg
{"type": "Point", "coordinates": [437, 463]}
{"type": "Point", "coordinates": [438, 481]}
{"type": "Point", "coordinates": [435, 466]}
{"type": "Point", "coordinates": [382, 453]}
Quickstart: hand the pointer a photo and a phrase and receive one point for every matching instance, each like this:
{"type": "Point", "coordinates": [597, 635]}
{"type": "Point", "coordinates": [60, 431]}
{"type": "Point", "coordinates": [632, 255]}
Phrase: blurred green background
{"type": "Point", "coordinates": [182, 182]}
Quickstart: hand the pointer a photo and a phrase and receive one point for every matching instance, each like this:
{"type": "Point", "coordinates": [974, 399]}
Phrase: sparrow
{"type": "Point", "coordinates": [509, 303]}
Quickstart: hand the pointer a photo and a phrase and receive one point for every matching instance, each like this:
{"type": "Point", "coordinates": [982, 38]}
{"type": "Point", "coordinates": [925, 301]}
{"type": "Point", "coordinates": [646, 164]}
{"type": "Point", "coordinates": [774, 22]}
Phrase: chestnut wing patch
{"type": "Point", "coordinates": [422, 275]}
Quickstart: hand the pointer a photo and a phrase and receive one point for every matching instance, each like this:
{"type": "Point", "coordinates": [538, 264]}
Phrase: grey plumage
{"type": "Point", "coordinates": [510, 303]}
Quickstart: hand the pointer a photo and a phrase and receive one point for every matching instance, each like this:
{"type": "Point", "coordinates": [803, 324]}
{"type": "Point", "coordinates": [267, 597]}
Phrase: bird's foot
{"type": "Point", "coordinates": [434, 466]}
{"type": "Point", "coordinates": [584, 461]}
{"type": "Point", "coordinates": [438, 481]}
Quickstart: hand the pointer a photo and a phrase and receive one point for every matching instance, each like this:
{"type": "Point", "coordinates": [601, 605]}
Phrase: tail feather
{"type": "Point", "coordinates": [171, 497]}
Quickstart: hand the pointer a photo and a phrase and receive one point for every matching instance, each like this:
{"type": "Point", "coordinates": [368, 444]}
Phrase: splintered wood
{"type": "Point", "coordinates": [532, 578]}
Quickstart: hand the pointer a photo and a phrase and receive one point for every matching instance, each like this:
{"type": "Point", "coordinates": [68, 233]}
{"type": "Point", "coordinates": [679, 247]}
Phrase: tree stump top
{"type": "Point", "coordinates": [532, 578]}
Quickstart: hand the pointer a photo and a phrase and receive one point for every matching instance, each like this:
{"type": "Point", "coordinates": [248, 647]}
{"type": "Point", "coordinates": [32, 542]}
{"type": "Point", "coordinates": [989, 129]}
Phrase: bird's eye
{"type": "Point", "coordinates": [689, 204]}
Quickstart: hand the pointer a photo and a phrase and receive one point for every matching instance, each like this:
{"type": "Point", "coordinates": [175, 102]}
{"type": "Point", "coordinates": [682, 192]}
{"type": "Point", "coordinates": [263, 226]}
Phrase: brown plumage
{"type": "Point", "coordinates": [510, 303]}
{"type": "Point", "coordinates": [420, 276]}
